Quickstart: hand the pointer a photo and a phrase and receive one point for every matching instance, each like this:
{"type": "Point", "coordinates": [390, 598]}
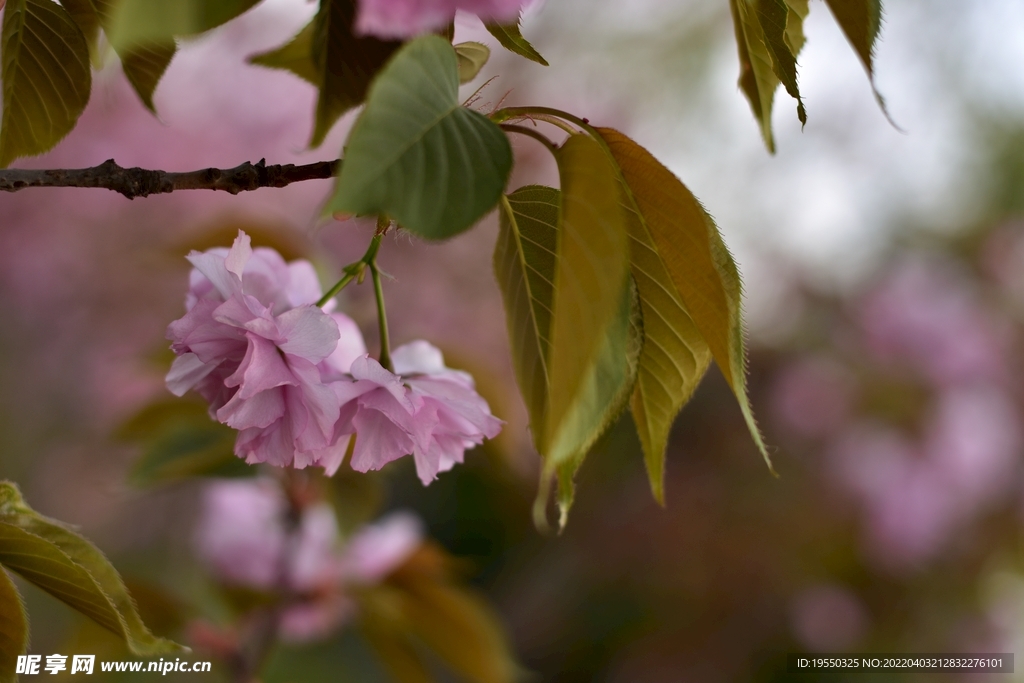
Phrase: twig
{"type": "Point", "coordinates": [140, 182]}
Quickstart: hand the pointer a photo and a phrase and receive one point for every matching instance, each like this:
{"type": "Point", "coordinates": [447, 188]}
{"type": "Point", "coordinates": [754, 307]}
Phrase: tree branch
{"type": "Point", "coordinates": [140, 182]}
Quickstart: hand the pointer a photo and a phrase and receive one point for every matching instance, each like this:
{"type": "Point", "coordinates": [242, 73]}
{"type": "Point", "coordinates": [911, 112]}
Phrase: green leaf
{"type": "Point", "coordinates": [296, 56]}
{"type": "Point", "coordinates": [144, 66]}
{"type": "Point", "coordinates": [773, 15]}
{"type": "Point", "coordinates": [68, 567]}
{"type": "Point", "coordinates": [511, 38]}
{"type": "Point", "coordinates": [395, 650]}
{"type": "Point", "coordinates": [416, 155]}
{"type": "Point", "coordinates": [472, 57]}
{"type": "Point", "coordinates": [135, 23]}
{"type": "Point", "coordinates": [769, 34]}
{"type": "Point", "coordinates": [45, 74]}
{"type": "Point", "coordinates": [13, 629]}
{"type": "Point", "coordinates": [180, 441]}
{"type": "Point", "coordinates": [83, 13]}
{"type": "Point", "coordinates": [705, 281]}
{"type": "Point", "coordinates": [346, 64]}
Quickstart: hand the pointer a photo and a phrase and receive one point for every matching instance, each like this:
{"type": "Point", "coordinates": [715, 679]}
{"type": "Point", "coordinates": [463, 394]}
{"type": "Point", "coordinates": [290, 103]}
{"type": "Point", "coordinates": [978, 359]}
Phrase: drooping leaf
{"type": "Point", "coordinates": [773, 15]}
{"type": "Point", "coordinates": [611, 383]}
{"type": "Point", "coordinates": [529, 257]}
{"type": "Point", "coordinates": [83, 13]}
{"type": "Point", "coordinates": [346, 63]}
{"type": "Point", "coordinates": [144, 66]}
{"type": "Point", "coordinates": [695, 259]}
{"type": "Point", "coordinates": [296, 56]}
{"type": "Point", "coordinates": [416, 155]}
{"type": "Point", "coordinates": [511, 38]}
{"type": "Point", "coordinates": [795, 38]}
{"type": "Point", "coordinates": [472, 57]}
{"type": "Point", "coordinates": [861, 21]}
{"type": "Point", "coordinates": [135, 23]}
{"type": "Point", "coordinates": [13, 629]}
{"type": "Point", "coordinates": [180, 441]}
{"type": "Point", "coordinates": [68, 567]}
{"type": "Point", "coordinates": [591, 274]}
{"type": "Point", "coordinates": [45, 74]}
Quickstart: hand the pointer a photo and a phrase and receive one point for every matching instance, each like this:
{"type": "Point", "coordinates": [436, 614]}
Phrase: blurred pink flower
{"type": "Point", "coordinates": [426, 409]}
{"type": "Point", "coordinates": [253, 343]}
{"type": "Point", "coordinates": [828, 618]}
{"type": "Point", "coordinates": [406, 18]}
{"type": "Point", "coordinates": [380, 548]}
{"type": "Point", "coordinates": [924, 315]}
{"type": "Point", "coordinates": [916, 495]}
{"type": "Point", "coordinates": [243, 541]}
{"type": "Point", "coordinates": [813, 396]}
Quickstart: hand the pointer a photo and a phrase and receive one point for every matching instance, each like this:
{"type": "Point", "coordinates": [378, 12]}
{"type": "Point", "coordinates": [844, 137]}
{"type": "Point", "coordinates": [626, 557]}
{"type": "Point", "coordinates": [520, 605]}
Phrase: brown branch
{"type": "Point", "coordinates": [140, 182]}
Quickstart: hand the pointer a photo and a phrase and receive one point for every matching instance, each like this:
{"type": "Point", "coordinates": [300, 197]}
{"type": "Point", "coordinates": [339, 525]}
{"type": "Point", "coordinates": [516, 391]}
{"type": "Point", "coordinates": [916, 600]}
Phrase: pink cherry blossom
{"type": "Point", "coordinates": [254, 344]}
{"type": "Point", "coordinates": [406, 18]}
{"type": "Point", "coordinates": [424, 409]}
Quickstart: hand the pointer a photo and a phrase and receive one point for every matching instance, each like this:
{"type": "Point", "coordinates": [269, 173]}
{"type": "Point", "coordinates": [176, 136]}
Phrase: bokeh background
{"type": "Point", "coordinates": [884, 275]}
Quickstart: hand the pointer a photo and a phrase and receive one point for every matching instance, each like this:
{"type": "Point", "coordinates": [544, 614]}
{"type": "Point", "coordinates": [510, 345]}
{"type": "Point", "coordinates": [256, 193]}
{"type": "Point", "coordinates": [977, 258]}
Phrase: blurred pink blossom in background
{"type": "Point", "coordinates": [242, 537]}
{"type": "Point", "coordinates": [828, 618]}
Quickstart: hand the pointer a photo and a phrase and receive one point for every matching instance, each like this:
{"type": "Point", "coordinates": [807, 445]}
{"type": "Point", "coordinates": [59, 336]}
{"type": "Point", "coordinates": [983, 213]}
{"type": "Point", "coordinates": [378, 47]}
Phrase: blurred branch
{"type": "Point", "coordinates": [140, 182]}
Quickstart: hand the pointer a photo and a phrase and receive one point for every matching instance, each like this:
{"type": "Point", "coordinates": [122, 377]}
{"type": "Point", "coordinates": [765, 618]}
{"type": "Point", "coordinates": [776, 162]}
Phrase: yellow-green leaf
{"type": "Point", "coordinates": [590, 277]}
{"type": "Point", "coordinates": [62, 563]}
{"type": "Point", "coordinates": [695, 259]}
{"type": "Point", "coordinates": [769, 35]}
{"type": "Point", "coordinates": [296, 56]}
{"type": "Point", "coordinates": [136, 23]}
{"type": "Point", "coordinates": [529, 256]}
{"type": "Point", "coordinates": [46, 77]}
{"type": "Point", "coordinates": [345, 63]}
{"type": "Point", "coordinates": [609, 386]}
{"type": "Point", "coordinates": [472, 57]}
{"type": "Point", "coordinates": [511, 38]}
{"type": "Point", "coordinates": [144, 66]}
{"type": "Point", "coordinates": [675, 355]}
{"type": "Point", "coordinates": [395, 649]}
{"type": "Point", "coordinates": [13, 629]}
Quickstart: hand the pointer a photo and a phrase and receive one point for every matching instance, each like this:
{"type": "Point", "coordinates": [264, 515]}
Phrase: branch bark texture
{"type": "Point", "coordinates": [140, 182]}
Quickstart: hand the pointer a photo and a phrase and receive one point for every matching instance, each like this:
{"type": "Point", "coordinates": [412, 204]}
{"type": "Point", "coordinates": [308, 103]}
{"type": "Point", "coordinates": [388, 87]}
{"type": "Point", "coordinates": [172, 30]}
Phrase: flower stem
{"type": "Point", "coordinates": [353, 270]}
{"type": "Point", "coordinates": [382, 318]}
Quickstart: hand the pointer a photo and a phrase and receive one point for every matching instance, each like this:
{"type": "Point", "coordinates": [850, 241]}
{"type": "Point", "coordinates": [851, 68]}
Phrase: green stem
{"type": "Point", "coordinates": [353, 270]}
{"type": "Point", "coordinates": [541, 113]}
{"type": "Point", "coordinates": [382, 318]}
{"type": "Point", "coordinates": [529, 132]}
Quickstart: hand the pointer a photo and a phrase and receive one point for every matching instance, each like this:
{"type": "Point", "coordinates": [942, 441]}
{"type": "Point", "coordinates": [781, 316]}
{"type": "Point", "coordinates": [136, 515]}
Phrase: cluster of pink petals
{"type": "Point", "coordinates": [251, 344]}
{"type": "Point", "coordinates": [296, 381]}
{"type": "Point", "coordinates": [424, 408]}
{"type": "Point", "coordinates": [406, 18]}
{"type": "Point", "coordinates": [242, 540]}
